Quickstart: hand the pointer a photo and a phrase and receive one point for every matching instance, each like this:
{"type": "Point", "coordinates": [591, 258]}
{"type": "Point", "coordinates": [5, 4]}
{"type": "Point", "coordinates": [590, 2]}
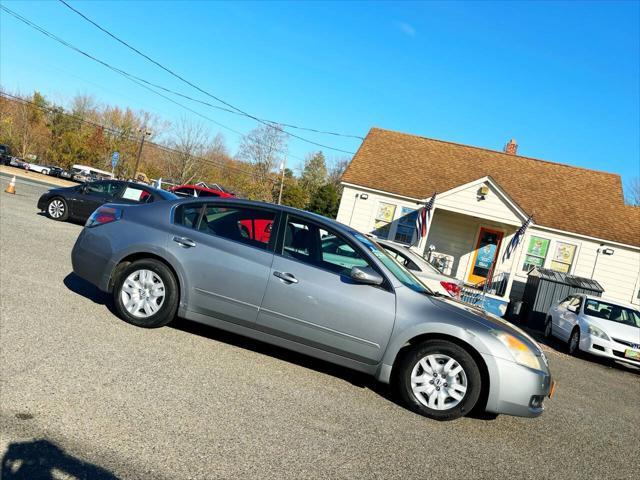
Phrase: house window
{"type": "Point", "coordinates": [384, 217]}
{"type": "Point", "coordinates": [563, 257]}
{"type": "Point", "coordinates": [536, 253]}
{"type": "Point", "coordinates": [406, 225]}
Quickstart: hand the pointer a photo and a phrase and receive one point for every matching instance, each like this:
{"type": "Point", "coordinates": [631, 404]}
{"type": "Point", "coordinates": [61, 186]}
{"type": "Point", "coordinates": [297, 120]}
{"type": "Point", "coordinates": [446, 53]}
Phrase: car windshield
{"type": "Point", "coordinates": [612, 312]}
{"type": "Point", "coordinates": [399, 271]}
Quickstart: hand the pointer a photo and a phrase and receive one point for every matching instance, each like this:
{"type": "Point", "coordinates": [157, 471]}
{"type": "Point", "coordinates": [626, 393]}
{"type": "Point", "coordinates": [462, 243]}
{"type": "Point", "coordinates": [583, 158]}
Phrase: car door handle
{"type": "Point", "coordinates": [184, 242]}
{"type": "Point", "coordinates": [287, 277]}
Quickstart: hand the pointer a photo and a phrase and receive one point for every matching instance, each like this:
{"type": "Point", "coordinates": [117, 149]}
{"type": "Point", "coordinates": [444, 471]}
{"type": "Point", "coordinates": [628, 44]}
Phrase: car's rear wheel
{"type": "Point", "coordinates": [574, 342]}
{"type": "Point", "coordinates": [57, 209]}
{"type": "Point", "coordinates": [548, 328]}
{"type": "Point", "coordinates": [146, 294]}
{"type": "Point", "coordinates": [439, 379]}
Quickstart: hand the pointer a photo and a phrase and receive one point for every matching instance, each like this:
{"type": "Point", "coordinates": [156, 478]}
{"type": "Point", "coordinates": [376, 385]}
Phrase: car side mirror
{"type": "Point", "coordinates": [366, 276]}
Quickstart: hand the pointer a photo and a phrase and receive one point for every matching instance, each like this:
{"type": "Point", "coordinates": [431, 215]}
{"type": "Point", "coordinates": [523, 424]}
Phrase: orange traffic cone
{"type": "Point", "coordinates": [12, 186]}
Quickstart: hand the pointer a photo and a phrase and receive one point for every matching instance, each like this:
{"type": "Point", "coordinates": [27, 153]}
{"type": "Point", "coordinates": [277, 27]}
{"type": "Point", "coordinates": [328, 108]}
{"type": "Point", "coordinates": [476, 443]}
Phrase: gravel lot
{"type": "Point", "coordinates": [85, 395]}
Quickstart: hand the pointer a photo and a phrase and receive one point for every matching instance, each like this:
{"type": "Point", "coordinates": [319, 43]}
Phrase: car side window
{"type": "Point", "coordinates": [137, 194]}
{"type": "Point", "coordinates": [184, 192]}
{"type": "Point", "coordinates": [251, 226]}
{"type": "Point", "coordinates": [188, 215]}
{"type": "Point", "coordinates": [106, 188]}
{"type": "Point", "coordinates": [319, 247]}
{"type": "Point", "coordinates": [206, 193]}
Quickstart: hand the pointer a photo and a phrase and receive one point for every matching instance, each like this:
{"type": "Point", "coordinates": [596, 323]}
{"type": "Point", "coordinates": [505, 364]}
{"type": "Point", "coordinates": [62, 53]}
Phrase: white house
{"type": "Point", "coordinates": [580, 224]}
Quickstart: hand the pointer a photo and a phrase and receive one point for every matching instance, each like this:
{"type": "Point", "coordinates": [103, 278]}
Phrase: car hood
{"type": "Point", "coordinates": [616, 329]}
{"type": "Point", "coordinates": [487, 320]}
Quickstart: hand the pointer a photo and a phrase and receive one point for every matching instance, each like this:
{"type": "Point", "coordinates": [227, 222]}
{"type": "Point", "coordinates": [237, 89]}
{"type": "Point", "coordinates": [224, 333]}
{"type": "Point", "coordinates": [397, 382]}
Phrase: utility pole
{"type": "Point", "coordinates": [144, 133]}
{"type": "Point", "coordinates": [281, 180]}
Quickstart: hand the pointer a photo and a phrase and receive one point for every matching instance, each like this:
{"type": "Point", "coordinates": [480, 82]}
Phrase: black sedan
{"type": "Point", "coordinates": [79, 202]}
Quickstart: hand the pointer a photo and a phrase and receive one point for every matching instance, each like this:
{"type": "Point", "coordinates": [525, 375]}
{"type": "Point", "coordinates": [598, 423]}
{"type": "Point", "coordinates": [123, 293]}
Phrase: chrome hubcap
{"type": "Point", "coordinates": [439, 382]}
{"type": "Point", "coordinates": [56, 208]}
{"type": "Point", "coordinates": [142, 293]}
{"type": "Point", "coordinates": [574, 342]}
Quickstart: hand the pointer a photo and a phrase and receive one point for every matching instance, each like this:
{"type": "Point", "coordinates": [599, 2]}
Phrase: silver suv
{"type": "Point", "coordinates": [310, 284]}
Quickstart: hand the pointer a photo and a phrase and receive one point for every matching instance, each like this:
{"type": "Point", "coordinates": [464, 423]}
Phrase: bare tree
{"type": "Point", "coordinates": [633, 192]}
{"type": "Point", "coordinates": [190, 144]}
{"type": "Point", "coordinates": [264, 148]}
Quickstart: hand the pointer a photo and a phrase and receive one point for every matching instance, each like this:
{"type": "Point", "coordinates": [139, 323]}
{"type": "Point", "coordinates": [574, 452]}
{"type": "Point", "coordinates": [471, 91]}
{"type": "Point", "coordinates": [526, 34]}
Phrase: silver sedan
{"type": "Point", "coordinates": [310, 284]}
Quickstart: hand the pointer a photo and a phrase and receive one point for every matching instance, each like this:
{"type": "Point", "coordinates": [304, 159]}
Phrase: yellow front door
{"type": "Point", "coordinates": [484, 255]}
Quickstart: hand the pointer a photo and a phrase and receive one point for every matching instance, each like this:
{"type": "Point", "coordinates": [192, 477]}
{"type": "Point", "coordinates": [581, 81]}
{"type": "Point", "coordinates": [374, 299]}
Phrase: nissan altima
{"type": "Point", "coordinates": [264, 271]}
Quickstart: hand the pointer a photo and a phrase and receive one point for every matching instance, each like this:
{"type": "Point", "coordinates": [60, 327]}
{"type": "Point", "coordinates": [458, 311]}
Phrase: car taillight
{"type": "Point", "coordinates": [452, 289]}
{"type": "Point", "coordinates": [103, 215]}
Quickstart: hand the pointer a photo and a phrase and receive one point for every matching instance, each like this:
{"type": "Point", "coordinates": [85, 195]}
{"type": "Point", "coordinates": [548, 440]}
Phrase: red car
{"type": "Point", "coordinates": [198, 191]}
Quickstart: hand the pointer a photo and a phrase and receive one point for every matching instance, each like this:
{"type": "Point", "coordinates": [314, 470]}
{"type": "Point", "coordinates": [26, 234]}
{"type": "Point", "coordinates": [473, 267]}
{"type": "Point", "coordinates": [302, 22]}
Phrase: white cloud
{"type": "Point", "coordinates": [406, 28]}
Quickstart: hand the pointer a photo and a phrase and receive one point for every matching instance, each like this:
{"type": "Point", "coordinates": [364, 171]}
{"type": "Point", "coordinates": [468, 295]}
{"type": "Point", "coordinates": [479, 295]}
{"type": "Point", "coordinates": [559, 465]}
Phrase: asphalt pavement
{"type": "Point", "coordinates": [85, 395]}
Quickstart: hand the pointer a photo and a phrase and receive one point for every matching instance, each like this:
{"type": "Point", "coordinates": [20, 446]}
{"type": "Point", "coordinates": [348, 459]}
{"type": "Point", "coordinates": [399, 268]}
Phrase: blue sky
{"type": "Point", "coordinates": [561, 78]}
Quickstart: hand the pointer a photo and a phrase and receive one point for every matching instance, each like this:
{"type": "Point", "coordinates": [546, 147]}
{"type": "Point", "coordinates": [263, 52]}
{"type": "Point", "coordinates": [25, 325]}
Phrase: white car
{"type": "Point", "coordinates": [427, 273]}
{"type": "Point", "coordinates": [594, 325]}
{"type": "Point", "coordinates": [38, 168]}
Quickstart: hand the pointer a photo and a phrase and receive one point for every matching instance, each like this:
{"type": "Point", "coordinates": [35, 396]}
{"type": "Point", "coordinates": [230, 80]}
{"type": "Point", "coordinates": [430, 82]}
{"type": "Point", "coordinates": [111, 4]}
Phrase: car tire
{"type": "Point", "coordinates": [57, 209]}
{"type": "Point", "coordinates": [137, 299]}
{"type": "Point", "coordinates": [548, 328]}
{"type": "Point", "coordinates": [573, 346]}
{"type": "Point", "coordinates": [463, 372]}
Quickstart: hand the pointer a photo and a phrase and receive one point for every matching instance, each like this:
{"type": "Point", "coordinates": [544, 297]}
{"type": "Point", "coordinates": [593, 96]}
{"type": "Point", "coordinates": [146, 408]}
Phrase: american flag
{"type": "Point", "coordinates": [423, 219]}
{"type": "Point", "coordinates": [515, 240]}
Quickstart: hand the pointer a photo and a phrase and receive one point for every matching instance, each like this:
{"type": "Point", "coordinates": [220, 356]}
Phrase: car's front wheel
{"type": "Point", "coordinates": [57, 209]}
{"type": "Point", "coordinates": [146, 294]}
{"type": "Point", "coordinates": [439, 379]}
{"type": "Point", "coordinates": [574, 342]}
{"type": "Point", "coordinates": [548, 328]}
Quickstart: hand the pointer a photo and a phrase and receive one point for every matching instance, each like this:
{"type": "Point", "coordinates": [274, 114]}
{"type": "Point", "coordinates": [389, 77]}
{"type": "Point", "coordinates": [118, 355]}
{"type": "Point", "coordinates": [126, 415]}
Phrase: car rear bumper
{"type": "Point", "coordinates": [90, 259]}
{"type": "Point", "coordinates": [515, 389]}
{"type": "Point", "coordinates": [607, 349]}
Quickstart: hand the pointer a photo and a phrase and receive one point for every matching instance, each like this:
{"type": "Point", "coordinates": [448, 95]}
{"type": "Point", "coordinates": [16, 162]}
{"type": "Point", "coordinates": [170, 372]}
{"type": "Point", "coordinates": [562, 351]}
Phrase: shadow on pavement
{"type": "Point", "coordinates": [355, 378]}
{"type": "Point", "coordinates": [358, 379]}
{"type": "Point", "coordinates": [83, 288]}
{"type": "Point", "coordinates": [44, 460]}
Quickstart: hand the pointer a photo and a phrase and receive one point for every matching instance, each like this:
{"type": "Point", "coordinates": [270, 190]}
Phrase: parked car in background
{"type": "Point", "coordinates": [66, 174]}
{"type": "Point", "coordinates": [43, 169]}
{"type": "Point", "coordinates": [5, 155]}
{"type": "Point", "coordinates": [55, 171]}
{"type": "Point", "coordinates": [84, 173]}
{"type": "Point", "coordinates": [17, 162]}
{"type": "Point", "coordinates": [79, 202]}
{"type": "Point", "coordinates": [427, 273]}
{"type": "Point", "coordinates": [199, 191]}
{"type": "Point", "coordinates": [314, 286]}
{"type": "Point", "coordinates": [600, 327]}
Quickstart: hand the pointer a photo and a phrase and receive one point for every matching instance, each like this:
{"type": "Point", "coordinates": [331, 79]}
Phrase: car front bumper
{"type": "Point", "coordinates": [515, 389]}
{"type": "Point", "coordinates": [606, 348]}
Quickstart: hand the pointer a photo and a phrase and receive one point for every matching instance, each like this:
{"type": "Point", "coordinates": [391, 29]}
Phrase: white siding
{"type": "Point", "coordinates": [454, 231]}
{"type": "Point", "coordinates": [466, 201]}
{"type": "Point", "coordinates": [456, 235]}
{"type": "Point", "coordinates": [618, 273]}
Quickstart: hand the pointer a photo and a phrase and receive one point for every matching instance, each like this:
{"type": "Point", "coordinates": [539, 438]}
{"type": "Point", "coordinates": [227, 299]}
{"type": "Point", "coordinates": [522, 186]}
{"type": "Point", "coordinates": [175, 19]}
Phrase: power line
{"type": "Point", "coordinates": [127, 135]}
{"type": "Point", "coordinates": [133, 78]}
{"type": "Point", "coordinates": [181, 78]}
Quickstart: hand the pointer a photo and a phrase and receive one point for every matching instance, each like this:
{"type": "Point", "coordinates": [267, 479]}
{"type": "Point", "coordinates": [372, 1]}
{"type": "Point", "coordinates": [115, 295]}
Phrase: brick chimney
{"type": "Point", "coordinates": [511, 148]}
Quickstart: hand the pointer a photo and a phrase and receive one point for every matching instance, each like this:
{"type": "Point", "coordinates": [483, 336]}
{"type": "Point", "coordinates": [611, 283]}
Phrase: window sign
{"type": "Point", "coordinates": [132, 194]}
{"type": "Point", "coordinates": [384, 217]}
{"type": "Point", "coordinates": [563, 257]}
{"type": "Point", "coordinates": [536, 253]}
{"type": "Point", "coordinates": [406, 225]}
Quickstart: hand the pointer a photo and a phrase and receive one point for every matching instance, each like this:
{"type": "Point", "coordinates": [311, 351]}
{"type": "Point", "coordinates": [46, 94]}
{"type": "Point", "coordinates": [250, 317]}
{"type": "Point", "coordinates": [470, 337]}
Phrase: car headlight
{"type": "Point", "coordinates": [522, 354]}
{"type": "Point", "coordinates": [598, 332]}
